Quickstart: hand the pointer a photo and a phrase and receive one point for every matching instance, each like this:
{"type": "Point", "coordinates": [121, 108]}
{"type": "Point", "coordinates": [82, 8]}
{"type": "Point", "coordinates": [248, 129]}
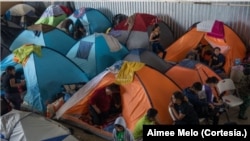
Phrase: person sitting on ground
{"type": "Point", "coordinates": [79, 30]}
{"type": "Point", "coordinates": [213, 111]}
{"type": "Point", "coordinates": [148, 119]}
{"type": "Point", "coordinates": [121, 132]}
{"type": "Point", "coordinates": [65, 26]}
{"type": "Point", "coordinates": [198, 51]}
{"type": "Point", "coordinates": [189, 61]}
{"type": "Point", "coordinates": [100, 103]}
{"type": "Point", "coordinates": [183, 111]}
{"type": "Point", "coordinates": [116, 104]}
{"type": "Point", "coordinates": [194, 54]}
{"type": "Point", "coordinates": [217, 62]}
{"type": "Point", "coordinates": [192, 94]}
{"type": "Point", "coordinates": [154, 39]}
{"type": "Point", "coordinates": [12, 88]}
{"type": "Point", "coordinates": [206, 57]}
{"type": "Point", "coordinates": [78, 33]}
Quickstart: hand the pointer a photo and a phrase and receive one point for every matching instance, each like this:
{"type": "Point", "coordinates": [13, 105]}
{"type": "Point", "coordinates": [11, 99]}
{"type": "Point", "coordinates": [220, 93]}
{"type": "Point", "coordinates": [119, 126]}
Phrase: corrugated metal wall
{"type": "Point", "coordinates": [181, 15]}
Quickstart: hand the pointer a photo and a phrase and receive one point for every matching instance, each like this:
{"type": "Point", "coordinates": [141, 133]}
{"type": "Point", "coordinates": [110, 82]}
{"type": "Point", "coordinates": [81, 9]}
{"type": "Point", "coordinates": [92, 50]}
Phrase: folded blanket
{"type": "Point", "coordinates": [126, 73]}
{"type": "Point", "coordinates": [22, 53]}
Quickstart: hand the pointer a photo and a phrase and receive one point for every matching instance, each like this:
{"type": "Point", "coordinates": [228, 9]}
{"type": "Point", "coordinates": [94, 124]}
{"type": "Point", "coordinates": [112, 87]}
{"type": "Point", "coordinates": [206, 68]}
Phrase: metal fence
{"type": "Point", "coordinates": [181, 15]}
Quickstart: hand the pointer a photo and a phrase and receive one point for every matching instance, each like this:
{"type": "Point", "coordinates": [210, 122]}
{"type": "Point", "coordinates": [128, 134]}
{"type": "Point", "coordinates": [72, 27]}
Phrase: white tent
{"type": "Point", "coordinates": [27, 126]}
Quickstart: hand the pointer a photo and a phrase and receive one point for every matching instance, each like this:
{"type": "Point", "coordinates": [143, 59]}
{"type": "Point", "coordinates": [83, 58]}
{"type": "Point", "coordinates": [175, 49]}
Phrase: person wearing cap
{"type": "Point", "coordinates": [121, 132]}
{"type": "Point", "coordinates": [148, 119]}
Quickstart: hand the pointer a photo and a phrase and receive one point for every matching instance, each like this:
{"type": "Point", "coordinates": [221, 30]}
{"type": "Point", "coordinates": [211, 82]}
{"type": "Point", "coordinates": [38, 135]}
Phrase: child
{"type": "Point", "coordinates": [121, 132]}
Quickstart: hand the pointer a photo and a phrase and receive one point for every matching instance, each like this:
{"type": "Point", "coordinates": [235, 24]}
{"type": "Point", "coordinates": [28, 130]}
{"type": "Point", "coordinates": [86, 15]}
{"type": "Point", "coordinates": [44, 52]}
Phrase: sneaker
{"type": "Point", "coordinates": [242, 117]}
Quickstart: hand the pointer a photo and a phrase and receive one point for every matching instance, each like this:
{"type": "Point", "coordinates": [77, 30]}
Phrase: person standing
{"type": "Point", "coordinates": [121, 132]}
{"type": "Point", "coordinates": [244, 91]}
{"type": "Point", "coordinates": [154, 39]}
{"type": "Point", "coordinates": [12, 88]}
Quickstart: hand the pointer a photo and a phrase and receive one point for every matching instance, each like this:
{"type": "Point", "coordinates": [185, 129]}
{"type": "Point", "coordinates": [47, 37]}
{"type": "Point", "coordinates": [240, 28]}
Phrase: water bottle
{"type": "Point", "coordinates": [237, 62]}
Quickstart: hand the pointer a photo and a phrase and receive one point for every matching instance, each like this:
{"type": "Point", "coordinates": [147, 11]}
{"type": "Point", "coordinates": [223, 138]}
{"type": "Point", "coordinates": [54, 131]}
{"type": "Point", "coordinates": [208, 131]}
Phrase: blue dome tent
{"type": "Point", "coordinates": [44, 35]}
{"type": "Point", "coordinates": [96, 52]}
{"type": "Point", "coordinates": [92, 19]}
{"type": "Point", "coordinates": [45, 74]}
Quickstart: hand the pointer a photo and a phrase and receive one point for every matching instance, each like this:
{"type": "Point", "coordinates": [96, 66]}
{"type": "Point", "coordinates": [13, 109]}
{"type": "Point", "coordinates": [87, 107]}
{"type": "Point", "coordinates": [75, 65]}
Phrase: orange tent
{"type": "Point", "coordinates": [231, 44]}
{"type": "Point", "coordinates": [185, 77]}
{"type": "Point", "coordinates": [149, 88]}
{"type": "Point", "coordinates": [184, 74]}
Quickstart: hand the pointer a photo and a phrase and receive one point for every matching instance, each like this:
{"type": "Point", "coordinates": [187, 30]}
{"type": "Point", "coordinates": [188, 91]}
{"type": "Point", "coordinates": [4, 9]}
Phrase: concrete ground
{"type": "Point", "coordinates": [233, 117]}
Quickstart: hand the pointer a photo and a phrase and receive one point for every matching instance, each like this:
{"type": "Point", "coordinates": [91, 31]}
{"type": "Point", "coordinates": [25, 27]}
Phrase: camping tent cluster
{"type": "Point", "coordinates": [214, 33]}
{"type": "Point", "coordinates": [167, 72]}
{"type": "Point", "coordinates": [52, 57]}
{"type": "Point", "coordinates": [43, 71]}
{"type": "Point", "coordinates": [134, 31]}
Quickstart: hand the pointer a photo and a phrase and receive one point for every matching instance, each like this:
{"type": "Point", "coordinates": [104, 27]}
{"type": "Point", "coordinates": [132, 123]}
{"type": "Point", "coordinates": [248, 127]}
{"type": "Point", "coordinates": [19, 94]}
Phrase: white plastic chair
{"type": "Point", "coordinates": [228, 92]}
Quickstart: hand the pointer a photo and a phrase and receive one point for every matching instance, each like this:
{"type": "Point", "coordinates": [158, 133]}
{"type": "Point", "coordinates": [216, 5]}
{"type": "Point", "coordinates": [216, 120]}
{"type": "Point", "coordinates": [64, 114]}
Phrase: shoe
{"type": "Point", "coordinates": [242, 117]}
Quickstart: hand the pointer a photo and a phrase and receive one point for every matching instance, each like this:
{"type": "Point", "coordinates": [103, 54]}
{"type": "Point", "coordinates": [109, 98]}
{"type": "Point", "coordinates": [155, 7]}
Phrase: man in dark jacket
{"type": "Point", "coordinates": [192, 94]}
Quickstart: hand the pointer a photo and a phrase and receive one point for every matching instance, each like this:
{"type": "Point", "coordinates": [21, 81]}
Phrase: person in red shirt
{"type": "Point", "coordinates": [101, 102]}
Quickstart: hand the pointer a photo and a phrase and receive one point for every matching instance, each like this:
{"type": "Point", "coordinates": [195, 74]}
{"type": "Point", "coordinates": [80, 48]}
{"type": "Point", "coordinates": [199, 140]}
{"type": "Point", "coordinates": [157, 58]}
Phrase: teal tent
{"type": "Point", "coordinates": [44, 35]}
{"type": "Point", "coordinates": [45, 76]}
{"type": "Point", "coordinates": [94, 53]}
{"type": "Point", "coordinates": [92, 19]}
